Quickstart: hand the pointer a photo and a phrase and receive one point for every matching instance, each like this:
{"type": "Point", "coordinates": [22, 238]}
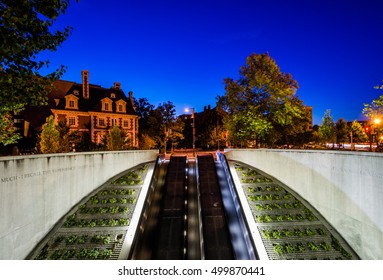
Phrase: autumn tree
{"type": "Point", "coordinates": [50, 140]}
{"type": "Point", "coordinates": [261, 106]}
{"type": "Point", "coordinates": [358, 133]}
{"type": "Point", "coordinates": [25, 31]}
{"type": "Point", "coordinates": [116, 139]}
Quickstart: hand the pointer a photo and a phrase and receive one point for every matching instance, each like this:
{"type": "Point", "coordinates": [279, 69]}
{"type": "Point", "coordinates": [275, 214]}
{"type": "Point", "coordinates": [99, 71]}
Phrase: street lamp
{"type": "Point", "coordinates": [377, 122]}
{"type": "Point", "coordinates": [192, 116]}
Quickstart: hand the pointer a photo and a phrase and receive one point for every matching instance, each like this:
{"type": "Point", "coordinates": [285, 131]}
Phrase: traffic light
{"type": "Point", "coordinates": [367, 129]}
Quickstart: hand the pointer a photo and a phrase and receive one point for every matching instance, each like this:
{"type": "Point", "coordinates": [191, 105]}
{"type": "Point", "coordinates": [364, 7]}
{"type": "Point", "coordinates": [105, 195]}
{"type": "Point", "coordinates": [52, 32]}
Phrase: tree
{"type": "Point", "coordinates": [147, 142]}
{"type": "Point", "coordinates": [358, 134]}
{"type": "Point", "coordinates": [375, 108]}
{"type": "Point", "coordinates": [116, 139]}
{"type": "Point", "coordinates": [50, 141]}
{"type": "Point", "coordinates": [26, 30]}
{"type": "Point", "coordinates": [261, 106]}
{"type": "Point", "coordinates": [342, 131]}
{"type": "Point", "coordinates": [327, 128]}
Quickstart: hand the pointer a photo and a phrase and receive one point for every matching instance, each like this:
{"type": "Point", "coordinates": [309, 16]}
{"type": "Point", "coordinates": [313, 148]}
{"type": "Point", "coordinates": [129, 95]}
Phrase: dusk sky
{"type": "Point", "coordinates": [181, 51]}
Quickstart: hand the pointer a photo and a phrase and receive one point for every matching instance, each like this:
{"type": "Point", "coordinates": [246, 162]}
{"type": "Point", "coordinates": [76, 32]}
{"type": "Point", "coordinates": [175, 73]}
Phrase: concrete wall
{"type": "Point", "coordinates": [36, 191]}
{"type": "Point", "coordinates": [345, 187]}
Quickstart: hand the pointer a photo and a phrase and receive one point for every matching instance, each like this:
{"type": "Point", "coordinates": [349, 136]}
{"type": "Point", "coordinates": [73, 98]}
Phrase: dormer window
{"type": "Point", "coordinates": [76, 92]}
{"type": "Point", "coordinates": [112, 95]}
{"type": "Point", "coordinates": [71, 102]}
{"type": "Point", "coordinates": [106, 105]}
{"type": "Point", "coordinates": [121, 106]}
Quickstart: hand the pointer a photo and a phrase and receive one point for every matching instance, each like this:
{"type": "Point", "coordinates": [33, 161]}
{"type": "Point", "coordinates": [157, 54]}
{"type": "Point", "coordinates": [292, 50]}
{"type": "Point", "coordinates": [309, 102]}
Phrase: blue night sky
{"type": "Point", "coordinates": [181, 51]}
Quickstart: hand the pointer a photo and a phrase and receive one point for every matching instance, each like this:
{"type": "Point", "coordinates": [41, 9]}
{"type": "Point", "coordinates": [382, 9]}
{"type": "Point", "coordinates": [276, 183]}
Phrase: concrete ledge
{"type": "Point", "coordinates": [345, 187]}
{"type": "Point", "coordinates": [36, 191]}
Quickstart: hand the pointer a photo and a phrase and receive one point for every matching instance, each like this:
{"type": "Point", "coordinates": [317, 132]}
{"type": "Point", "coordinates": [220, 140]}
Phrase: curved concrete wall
{"type": "Point", "coordinates": [345, 187]}
{"type": "Point", "coordinates": [36, 191]}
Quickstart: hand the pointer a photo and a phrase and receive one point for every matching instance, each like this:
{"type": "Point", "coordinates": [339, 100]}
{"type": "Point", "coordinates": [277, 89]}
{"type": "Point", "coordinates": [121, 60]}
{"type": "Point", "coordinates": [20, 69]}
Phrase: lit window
{"type": "Point", "coordinates": [71, 103]}
{"type": "Point", "coordinates": [71, 121]}
{"type": "Point", "coordinates": [106, 107]}
{"type": "Point", "coordinates": [126, 123]}
{"type": "Point", "coordinates": [114, 122]}
{"type": "Point", "coordinates": [101, 122]}
{"type": "Point", "coordinates": [112, 95]}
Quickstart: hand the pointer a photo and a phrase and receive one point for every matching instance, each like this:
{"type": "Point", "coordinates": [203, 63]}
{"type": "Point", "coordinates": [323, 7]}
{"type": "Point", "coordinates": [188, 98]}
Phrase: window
{"type": "Point", "coordinates": [101, 122]}
{"type": "Point", "coordinates": [106, 107]}
{"type": "Point", "coordinates": [114, 122]}
{"type": "Point", "coordinates": [71, 121]}
{"type": "Point", "coordinates": [126, 123]}
{"type": "Point", "coordinates": [112, 95]}
{"type": "Point", "coordinates": [121, 106]}
{"type": "Point", "coordinates": [71, 102]}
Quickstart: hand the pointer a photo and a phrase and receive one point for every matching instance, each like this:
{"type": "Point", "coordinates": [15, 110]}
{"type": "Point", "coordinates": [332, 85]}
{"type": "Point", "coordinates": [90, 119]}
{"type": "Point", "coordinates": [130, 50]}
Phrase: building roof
{"type": "Point", "coordinates": [91, 104]}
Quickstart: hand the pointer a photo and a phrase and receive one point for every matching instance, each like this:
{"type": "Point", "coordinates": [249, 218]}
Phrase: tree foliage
{"type": "Point", "coordinates": [116, 139]}
{"type": "Point", "coordinates": [50, 140]}
{"type": "Point", "coordinates": [375, 108]}
{"type": "Point", "coordinates": [327, 128]}
{"type": "Point", "coordinates": [25, 31]}
{"type": "Point", "coordinates": [358, 133]}
{"type": "Point", "coordinates": [261, 105]}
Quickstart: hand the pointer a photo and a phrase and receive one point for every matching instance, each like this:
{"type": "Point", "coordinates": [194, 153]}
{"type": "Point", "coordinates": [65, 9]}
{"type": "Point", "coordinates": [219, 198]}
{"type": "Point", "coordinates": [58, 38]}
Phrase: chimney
{"type": "Point", "coordinates": [117, 85]}
{"type": "Point", "coordinates": [131, 99]}
{"type": "Point", "coordinates": [85, 83]}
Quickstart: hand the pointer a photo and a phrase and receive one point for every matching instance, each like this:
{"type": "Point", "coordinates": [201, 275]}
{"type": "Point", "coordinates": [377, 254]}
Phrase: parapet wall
{"type": "Point", "coordinates": [36, 191]}
{"type": "Point", "coordinates": [345, 187]}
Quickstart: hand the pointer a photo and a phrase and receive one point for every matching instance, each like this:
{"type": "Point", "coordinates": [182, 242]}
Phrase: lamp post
{"type": "Point", "coordinates": [193, 125]}
{"type": "Point", "coordinates": [377, 122]}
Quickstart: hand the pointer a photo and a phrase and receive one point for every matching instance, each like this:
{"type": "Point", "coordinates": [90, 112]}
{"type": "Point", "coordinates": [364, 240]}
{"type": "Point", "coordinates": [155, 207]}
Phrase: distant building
{"type": "Point", "coordinates": [86, 108]}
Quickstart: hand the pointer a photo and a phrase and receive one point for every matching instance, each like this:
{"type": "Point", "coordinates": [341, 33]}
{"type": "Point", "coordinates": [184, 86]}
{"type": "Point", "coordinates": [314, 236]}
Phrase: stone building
{"type": "Point", "coordinates": [93, 109]}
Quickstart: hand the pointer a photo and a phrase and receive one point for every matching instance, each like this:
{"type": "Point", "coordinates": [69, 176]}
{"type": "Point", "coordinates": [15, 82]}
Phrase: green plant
{"type": "Point", "coordinates": [104, 192]}
{"type": "Point", "coordinates": [289, 248]}
{"type": "Point", "coordinates": [278, 206]}
{"type": "Point", "coordinates": [289, 217]}
{"type": "Point", "coordinates": [113, 209]}
{"type": "Point", "coordinates": [82, 239]}
{"type": "Point", "coordinates": [279, 218]}
{"type": "Point", "coordinates": [268, 207]}
{"type": "Point", "coordinates": [123, 200]}
{"type": "Point", "coordinates": [82, 254]}
{"type": "Point", "coordinates": [325, 246]}
{"type": "Point", "coordinates": [92, 253]}
{"type": "Point", "coordinates": [68, 254]}
{"type": "Point", "coordinates": [268, 218]}
{"type": "Point", "coordinates": [277, 234]}
{"type": "Point", "coordinates": [123, 222]}
{"type": "Point", "coordinates": [71, 239]}
{"type": "Point", "coordinates": [298, 232]}
{"type": "Point", "coordinates": [287, 233]}
{"type": "Point", "coordinates": [107, 253]}
{"type": "Point", "coordinates": [309, 232]}
{"type": "Point", "coordinates": [113, 222]}
{"type": "Point", "coordinates": [101, 239]}
{"type": "Point", "coordinates": [300, 247]}
{"type": "Point", "coordinates": [267, 234]}
{"type": "Point", "coordinates": [94, 199]}
{"type": "Point", "coordinates": [299, 217]}
{"type": "Point", "coordinates": [279, 249]}
{"type": "Point", "coordinates": [321, 231]}
{"type": "Point", "coordinates": [123, 209]}
{"type": "Point", "coordinates": [312, 246]}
